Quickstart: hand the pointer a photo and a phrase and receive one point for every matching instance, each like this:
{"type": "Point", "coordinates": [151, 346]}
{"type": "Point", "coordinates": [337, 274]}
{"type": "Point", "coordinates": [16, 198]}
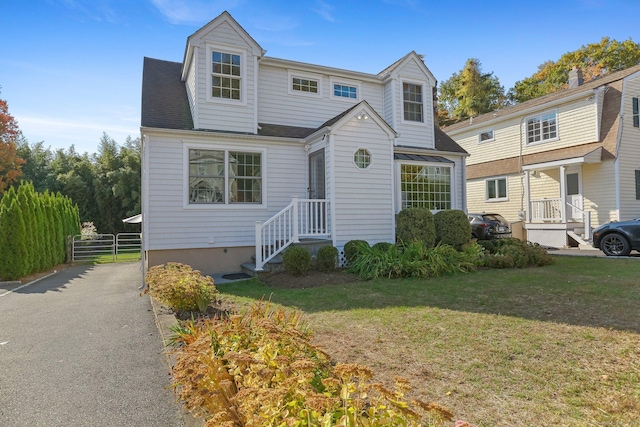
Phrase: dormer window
{"type": "Point", "coordinates": [412, 97]}
{"type": "Point", "coordinates": [226, 75]}
{"type": "Point", "coordinates": [542, 128]}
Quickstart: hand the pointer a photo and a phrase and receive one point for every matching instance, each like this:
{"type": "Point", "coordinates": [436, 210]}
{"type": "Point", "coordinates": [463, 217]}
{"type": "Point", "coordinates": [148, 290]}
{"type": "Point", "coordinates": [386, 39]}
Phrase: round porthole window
{"type": "Point", "coordinates": [362, 158]}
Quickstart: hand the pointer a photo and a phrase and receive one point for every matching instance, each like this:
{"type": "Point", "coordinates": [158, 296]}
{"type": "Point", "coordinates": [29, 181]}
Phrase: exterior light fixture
{"type": "Point", "coordinates": [362, 116]}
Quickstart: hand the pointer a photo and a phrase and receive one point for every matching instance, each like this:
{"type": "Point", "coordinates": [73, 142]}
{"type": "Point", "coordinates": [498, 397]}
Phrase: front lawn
{"type": "Point", "coordinates": [556, 345]}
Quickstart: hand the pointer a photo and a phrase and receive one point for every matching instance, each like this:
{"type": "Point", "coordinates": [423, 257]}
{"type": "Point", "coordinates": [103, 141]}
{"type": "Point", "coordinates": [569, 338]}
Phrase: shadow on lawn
{"type": "Point", "coordinates": [594, 292]}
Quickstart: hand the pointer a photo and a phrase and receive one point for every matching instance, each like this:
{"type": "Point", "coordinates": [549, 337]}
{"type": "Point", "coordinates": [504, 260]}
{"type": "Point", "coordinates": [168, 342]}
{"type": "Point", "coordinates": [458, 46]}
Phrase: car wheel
{"type": "Point", "coordinates": [615, 244]}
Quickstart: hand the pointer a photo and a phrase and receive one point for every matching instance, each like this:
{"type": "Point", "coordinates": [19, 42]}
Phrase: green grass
{"type": "Point", "coordinates": [556, 345]}
{"type": "Point", "coordinates": [107, 259]}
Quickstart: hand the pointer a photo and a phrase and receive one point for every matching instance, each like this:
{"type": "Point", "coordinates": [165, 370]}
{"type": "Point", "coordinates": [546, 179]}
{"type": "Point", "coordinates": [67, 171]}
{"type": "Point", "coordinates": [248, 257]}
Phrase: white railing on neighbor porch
{"type": "Point", "coordinates": [546, 210]}
{"type": "Point", "coordinates": [549, 210]}
{"type": "Point", "coordinates": [303, 218]}
{"type": "Point", "coordinates": [586, 219]}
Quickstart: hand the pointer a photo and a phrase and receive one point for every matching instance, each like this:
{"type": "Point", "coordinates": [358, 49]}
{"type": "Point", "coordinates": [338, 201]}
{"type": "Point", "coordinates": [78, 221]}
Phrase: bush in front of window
{"type": "Point", "coordinates": [327, 258]}
{"type": "Point", "coordinates": [296, 260]}
{"type": "Point", "coordinates": [416, 224]}
{"type": "Point", "coordinates": [452, 228]}
{"type": "Point", "coordinates": [354, 247]}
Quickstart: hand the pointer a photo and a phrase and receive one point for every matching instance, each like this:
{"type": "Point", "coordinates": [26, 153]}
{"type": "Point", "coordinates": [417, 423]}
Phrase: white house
{"type": "Point", "coordinates": [563, 163]}
{"type": "Point", "coordinates": [244, 154]}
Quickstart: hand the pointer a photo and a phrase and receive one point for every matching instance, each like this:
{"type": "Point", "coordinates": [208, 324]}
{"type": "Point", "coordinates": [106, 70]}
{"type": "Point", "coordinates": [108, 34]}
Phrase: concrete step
{"type": "Point", "coordinates": [577, 238]}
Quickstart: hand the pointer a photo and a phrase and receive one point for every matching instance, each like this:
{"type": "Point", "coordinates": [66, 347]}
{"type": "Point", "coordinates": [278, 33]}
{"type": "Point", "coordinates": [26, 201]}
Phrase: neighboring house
{"type": "Point", "coordinates": [563, 163]}
{"type": "Point", "coordinates": [230, 136]}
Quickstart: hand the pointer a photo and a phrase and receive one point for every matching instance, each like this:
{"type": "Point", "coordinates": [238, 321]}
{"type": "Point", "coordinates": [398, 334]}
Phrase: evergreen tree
{"type": "Point", "coordinates": [13, 264]}
{"type": "Point", "coordinates": [468, 93]}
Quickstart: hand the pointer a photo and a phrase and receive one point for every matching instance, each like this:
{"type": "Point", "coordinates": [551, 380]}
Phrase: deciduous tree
{"type": "Point", "coordinates": [9, 161]}
{"type": "Point", "coordinates": [595, 60]}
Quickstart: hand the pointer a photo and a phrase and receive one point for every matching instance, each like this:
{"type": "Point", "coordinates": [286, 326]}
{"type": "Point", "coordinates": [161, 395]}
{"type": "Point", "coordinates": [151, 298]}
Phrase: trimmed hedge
{"type": "Point", "coordinates": [296, 260]}
{"type": "Point", "coordinates": [452, 228]}
{"type": "Point", "coordinates": [327, 258]}
{"type": "Point", "coordinates": [416, 224]}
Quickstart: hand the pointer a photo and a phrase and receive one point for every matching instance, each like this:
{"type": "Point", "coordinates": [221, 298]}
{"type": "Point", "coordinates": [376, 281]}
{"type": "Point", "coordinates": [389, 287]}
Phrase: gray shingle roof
{"type": "Point", "coordinates": [164, 96]}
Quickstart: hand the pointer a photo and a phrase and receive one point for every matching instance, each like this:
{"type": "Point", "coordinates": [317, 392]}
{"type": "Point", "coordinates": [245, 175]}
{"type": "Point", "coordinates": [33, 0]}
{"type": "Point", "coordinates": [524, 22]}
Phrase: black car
{"type": "Point", "coordinates": [617, 238]}
{"type": "Point", "coordinates": [486, 226]}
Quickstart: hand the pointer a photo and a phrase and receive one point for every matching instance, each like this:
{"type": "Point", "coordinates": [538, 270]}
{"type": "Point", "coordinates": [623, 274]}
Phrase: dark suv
{"type": "Point", "coordinates": [486, 226]}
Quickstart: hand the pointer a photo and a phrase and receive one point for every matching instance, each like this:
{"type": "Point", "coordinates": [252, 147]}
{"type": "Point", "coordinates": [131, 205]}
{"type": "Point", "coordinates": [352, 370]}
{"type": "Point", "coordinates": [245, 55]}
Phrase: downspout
{"type": "Point", "coordinates": [332, 187]}
{"type": "Point", "coordinates": [144, 203]}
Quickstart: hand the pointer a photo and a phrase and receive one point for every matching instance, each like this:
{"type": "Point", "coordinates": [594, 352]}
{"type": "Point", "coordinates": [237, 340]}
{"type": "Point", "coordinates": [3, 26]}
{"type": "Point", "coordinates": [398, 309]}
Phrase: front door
{"type": "Point", "coordinates": [316, 215]}
{"type": "Point", "coordinates": [574, 196]}
{"type": "Point", "coordinates": [316, 175]}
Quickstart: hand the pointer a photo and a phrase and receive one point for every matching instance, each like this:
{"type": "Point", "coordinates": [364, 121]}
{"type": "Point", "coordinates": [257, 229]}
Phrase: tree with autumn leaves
{"type": "Point", "coordinates": [471, 92]}
{"type": "Point", "coordinates": [9, 134]}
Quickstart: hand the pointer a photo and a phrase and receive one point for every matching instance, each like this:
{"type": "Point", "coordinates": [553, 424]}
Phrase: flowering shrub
{"type": "Point", "coordinates": [259, 369]}
{"type": "Point", "coordinates": [180, 287]}
{"type": "Point", "coordinates": [88, 231]}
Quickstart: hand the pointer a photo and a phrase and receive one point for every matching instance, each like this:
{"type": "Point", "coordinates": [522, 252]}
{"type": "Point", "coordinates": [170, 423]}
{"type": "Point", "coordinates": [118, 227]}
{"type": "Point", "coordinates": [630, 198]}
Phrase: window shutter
{"type": "Point", "coordinates": [636, 113]}
{"type": "Point", "coordinates": [638, 185]}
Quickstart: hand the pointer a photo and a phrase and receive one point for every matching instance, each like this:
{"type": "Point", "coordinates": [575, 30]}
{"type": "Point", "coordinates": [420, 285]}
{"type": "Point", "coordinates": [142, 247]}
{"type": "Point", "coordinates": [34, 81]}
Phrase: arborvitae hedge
{"type": "Point", "coordinates": [33, 230]}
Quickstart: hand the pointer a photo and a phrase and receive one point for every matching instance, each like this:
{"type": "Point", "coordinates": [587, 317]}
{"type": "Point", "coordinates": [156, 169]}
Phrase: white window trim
{"type": "Point", "coordinates": [398, 173]}
{"type": "Point", "coordinates": [353, 159]}
{"type": "Point", "coordinates": [344, 82]}
{"type": "Point", "coordinates": [493, 136]}
{"type": "Point", "coordinates": [496, 199]}
{"type": "Point", "coordinates": [188, 145]}
{"type": "Point", "coordinates": [243, 73]}
{"type": "Point", "coordinates": [423, 85]}
{"type": "Point", "coordinates": [542, 141]}
{"type": "Point", "coordinates": [307, 76]}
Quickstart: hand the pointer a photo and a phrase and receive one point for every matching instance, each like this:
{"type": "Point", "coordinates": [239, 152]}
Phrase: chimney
{"type": "Point", "coordinates": [575, 77]}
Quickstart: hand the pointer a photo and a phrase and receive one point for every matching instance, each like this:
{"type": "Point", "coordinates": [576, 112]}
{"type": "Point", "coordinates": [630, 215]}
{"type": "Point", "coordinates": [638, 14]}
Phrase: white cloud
{"type": "Point", "coordinates": [325, 10]}
{"type": "Point", "coordinates": [193, 12]}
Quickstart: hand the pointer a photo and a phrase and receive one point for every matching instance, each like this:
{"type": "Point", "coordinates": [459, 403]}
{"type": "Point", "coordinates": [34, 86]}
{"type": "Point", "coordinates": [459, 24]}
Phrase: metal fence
{"type": "Point", "coordinates": [105, 247]}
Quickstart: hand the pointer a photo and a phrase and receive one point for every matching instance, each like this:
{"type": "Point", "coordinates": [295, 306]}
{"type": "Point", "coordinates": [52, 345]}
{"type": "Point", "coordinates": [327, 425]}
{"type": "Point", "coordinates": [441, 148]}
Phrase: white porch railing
{"type": "Point", "coordinates": [546, 210]}
{"type": "Point", "coordinates": [549, 210]}
{"type": "Point", "coordinates": [302, 218]}
{"type": "Point", "coordinates": [586, 219]}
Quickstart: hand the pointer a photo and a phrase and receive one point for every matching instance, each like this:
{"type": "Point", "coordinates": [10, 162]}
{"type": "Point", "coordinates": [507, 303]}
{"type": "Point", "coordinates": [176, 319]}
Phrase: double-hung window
{"type": "Point", "coordinates": [425, 186]}
{"type": "Point", "coordinates": [226, 75]}
{"type": "Point", "coordinates": [496, 189]}
{"type": "Point", "coordinates": [224, 177]}
{"type": "Point", "coordinates": [542, 127]}
{"type": "Point", "coordinates": [412, 97]}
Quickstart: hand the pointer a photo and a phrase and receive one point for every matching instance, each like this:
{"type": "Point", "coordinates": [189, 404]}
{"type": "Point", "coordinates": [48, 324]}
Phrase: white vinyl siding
{"type": "Point", "coordinates": [629, 152]}
{"type": "Point", "coordinates": [576, 125]}
{"type": "Point", "coordinates": [598, 187]}
{"type": "Point", "coordinates": [414, 133]}
{"type": "Point", "coordinates": [218, 113]}
{"type": "Point", "coordinates": [508, 208]}
{"type": "Point", "coordinates": [357, 189]}
{"type": "Point", "coordinates": [277, 107]}
{"type": "Point", "coordinates": [174, 225]}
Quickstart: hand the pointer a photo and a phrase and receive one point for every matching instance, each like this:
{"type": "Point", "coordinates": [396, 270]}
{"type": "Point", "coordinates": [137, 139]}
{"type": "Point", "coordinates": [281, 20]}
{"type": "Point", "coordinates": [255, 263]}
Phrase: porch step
{"type": "Point", "coordinates": [578, 239]}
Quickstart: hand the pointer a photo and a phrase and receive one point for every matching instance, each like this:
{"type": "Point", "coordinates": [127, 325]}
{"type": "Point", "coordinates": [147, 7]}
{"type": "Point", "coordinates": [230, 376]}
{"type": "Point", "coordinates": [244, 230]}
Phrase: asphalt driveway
{"type": "Point", "coordinates": [80, 348]}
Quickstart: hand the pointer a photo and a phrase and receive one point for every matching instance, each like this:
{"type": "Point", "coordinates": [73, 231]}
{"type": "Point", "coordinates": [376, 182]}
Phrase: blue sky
{"type": "Point", "coordinates": [72, 69]}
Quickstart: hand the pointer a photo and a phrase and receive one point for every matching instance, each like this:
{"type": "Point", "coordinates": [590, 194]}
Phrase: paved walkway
{"type": "Point", "coordinates": [80, 348]}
